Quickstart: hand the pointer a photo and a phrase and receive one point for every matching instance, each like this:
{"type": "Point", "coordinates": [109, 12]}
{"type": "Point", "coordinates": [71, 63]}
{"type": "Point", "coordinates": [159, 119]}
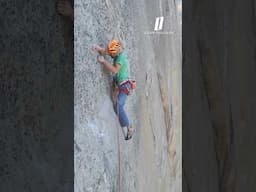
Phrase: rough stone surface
{"type": "Point", "coordinates": [219, 96]}
{"type": "Point", "coordinates": [36, 98]}
{"type": "Point", "coordinates": [151, 161]}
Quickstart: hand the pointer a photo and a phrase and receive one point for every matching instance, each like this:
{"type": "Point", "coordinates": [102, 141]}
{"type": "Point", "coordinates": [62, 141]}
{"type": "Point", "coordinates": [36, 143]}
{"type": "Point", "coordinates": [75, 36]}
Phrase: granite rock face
{"type": "Point", "coordinates": [151, 161]}
{"type": "Point", "coordinates": [219, 96]}
{"type": "Point", "coordinates": [36, 98]}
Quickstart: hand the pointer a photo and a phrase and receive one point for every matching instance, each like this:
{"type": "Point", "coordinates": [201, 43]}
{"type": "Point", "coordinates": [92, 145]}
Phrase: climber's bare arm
{"type": "Point", "coordinates": [112, 68]}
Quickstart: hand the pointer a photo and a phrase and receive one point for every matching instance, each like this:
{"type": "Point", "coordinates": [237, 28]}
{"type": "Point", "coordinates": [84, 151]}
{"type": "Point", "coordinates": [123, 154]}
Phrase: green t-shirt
{"type": "Point", "coordinates": [123, 73]}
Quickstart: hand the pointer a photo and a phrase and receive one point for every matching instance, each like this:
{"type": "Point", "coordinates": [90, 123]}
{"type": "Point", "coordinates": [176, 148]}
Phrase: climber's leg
{"type": "Point", "coordinates": [114, 96]}
{"type": "Point", "coordinates": [123, 119]}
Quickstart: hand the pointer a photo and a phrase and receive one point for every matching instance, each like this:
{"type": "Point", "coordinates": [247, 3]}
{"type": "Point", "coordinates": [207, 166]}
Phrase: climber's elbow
{"type": "Point", "coordinates": [114, 71]}
{"type": "Point", "coordinates": [116, 68]}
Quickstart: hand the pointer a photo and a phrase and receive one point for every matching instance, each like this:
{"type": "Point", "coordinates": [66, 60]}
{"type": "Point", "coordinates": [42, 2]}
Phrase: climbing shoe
{"type": "Point", "coordinates": [130, 131]}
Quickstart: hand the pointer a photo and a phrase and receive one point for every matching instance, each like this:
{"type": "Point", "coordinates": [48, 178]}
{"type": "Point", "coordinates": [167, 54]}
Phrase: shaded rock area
{"type": "Point", "coordinates": [36, 98]}
{"type": "Point", "coordinates": [151, 161]}
{"type": "Point", "coordinates": [219, 96]}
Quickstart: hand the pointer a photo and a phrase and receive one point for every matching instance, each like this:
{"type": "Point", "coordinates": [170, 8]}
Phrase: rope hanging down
{"type": "Point", "coordinates": [119, 154]}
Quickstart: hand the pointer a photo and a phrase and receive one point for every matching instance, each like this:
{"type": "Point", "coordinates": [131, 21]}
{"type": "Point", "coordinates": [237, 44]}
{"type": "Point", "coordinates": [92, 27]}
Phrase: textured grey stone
{"type": "Point", "coordinates": [219, 77]}
{"type": "Point", "coordinates": [151, 161]}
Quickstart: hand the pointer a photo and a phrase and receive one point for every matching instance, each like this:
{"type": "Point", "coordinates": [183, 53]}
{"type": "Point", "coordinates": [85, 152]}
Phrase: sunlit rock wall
{"type": "Point", "coordinates": [151, 161]}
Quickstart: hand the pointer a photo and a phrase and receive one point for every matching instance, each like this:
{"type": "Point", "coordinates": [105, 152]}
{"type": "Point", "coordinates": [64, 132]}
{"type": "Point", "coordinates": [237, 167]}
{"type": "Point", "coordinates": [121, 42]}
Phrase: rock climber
{"type": "Point", "coordinates": [121, 83]}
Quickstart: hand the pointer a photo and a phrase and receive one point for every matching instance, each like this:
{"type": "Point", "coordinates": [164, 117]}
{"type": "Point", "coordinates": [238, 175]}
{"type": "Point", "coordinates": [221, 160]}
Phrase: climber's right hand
{"type": "Point", "coordinates": [99, 49]}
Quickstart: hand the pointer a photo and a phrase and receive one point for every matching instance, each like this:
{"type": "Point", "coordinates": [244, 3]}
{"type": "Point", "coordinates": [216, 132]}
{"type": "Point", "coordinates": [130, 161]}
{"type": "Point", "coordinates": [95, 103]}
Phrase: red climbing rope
{"type": "Point", "coordinates": [118, 146]}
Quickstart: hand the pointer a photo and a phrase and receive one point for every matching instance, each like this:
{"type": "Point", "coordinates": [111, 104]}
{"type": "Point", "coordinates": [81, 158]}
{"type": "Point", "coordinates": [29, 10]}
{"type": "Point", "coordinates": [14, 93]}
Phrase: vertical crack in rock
{"type": "Point", "coordinates": [167, 120]}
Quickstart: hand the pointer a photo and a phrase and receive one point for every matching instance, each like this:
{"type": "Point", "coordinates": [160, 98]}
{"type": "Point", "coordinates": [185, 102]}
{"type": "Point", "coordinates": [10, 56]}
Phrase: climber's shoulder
{"type": "Point", "coordinates": [121, 59]}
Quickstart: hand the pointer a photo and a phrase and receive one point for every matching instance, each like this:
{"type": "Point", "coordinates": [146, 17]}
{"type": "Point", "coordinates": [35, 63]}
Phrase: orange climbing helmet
{"type": "Point", "coordinates": [114, 47]}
